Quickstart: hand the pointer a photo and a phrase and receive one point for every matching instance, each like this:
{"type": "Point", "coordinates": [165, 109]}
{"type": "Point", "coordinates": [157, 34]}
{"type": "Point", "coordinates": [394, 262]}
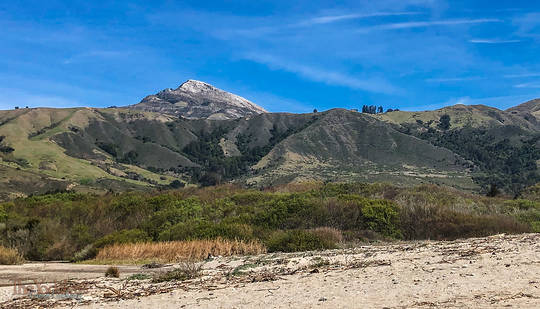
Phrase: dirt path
{"type": "Point", "coordinates": [492, 272]}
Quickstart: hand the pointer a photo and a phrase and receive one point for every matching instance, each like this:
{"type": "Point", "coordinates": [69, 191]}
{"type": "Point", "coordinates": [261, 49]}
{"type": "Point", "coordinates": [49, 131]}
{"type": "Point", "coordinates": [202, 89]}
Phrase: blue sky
{"type": "Point", "coordinates": [283, 55]}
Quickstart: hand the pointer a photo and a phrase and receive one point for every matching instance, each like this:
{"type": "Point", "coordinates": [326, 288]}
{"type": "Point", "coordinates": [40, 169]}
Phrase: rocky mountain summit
{"type": "Point", "coordinates": [196, 99]}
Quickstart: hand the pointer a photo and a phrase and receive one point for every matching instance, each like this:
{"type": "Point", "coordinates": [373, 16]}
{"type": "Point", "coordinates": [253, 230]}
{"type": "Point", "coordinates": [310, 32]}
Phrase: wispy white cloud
{"type": "Point", "coordinates": [425, 24]}
{"type": "Point", "coordinates": [453, 79]}
{"type": "Point", "coordinates": [528, 85]}
{"type": "Point", "coordinates": [337, 18]}
{"type": "Point", "coordinates": [259, 31]}
{"type": "Point", "coordinates": [528, 24]}
{"type": "Point", "coordinates": [461, 100]}
{"type": "Point", "coordinates": [324, 76]}
{"type": "Point", "coordinates": [522, 75]}
{"type": "Point", "coordinates": [108, 54]}
{"type": "Point", "coordinates": [492, 41]}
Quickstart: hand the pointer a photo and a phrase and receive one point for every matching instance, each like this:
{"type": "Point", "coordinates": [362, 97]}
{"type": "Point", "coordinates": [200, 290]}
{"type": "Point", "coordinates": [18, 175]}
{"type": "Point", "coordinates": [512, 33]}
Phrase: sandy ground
{"type": "Point", "coordinates": [493, 272]}
{"type": "Point", "coordinates": [55, 271]}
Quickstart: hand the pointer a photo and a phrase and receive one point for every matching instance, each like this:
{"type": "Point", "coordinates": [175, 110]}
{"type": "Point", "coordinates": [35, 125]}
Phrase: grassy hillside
{"type": "Point", "coordinates": [461, 116]}
{"type": "Point", "coordinates": [530, 111]}
{"type": "Point", "coordinates": [33, 134]}
{"type": "Point", "coordinates": [346, 146]}
{"type": "Point", "coordinates": [87, 149]}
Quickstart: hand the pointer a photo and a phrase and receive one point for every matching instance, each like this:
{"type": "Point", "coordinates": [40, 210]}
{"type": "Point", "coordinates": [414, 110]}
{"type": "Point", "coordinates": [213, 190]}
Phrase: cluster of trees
{"type": "Point", "coordinates": [74, 225]}
{"type": "Point", "coordinates": [216, 167]}
{"type": "Point", "coordinates": [503, 163]}
{"type": "Point", "coordinates": [444, 122]}
{"type": "Point", "coordinates": [5, 148]}
{"type": "Point", "coordinates": [372, 109]}
{"type": "Point", "coordinates": [129, 157]}
{"type": "Point", "coordinates": [506, 164]}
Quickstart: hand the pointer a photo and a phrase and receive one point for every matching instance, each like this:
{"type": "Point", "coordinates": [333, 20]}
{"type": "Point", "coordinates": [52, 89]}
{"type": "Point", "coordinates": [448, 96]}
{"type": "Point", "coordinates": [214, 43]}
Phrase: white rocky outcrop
{"type": "Point", "coordinates": [197, 99]}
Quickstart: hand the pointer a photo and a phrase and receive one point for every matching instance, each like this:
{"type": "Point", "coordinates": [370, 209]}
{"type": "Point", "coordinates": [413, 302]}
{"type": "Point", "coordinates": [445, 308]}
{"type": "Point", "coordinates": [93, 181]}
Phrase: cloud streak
{"type": "Point", "coordinates": [337, 18]}
{"type": "Point", "coordinates": [102, 54]}
{"type": "Point", "coordinates": [426, 24]}
{"type": "Point", "coordinates": [528, 85]}
{"type": "Point", "coordinates": [310, 22]}
{"type": "Point", "coordinates": [324, 76]}
{"type": "Point", "coordinates": [453, 79]}
{"type": "Point", "coordinates": [522, 75]}
{"type": "Point", "coordinates": [492, 41]}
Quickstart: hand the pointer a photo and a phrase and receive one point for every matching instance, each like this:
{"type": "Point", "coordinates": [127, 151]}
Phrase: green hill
{"type": "Point", "coordinates": [90, 149]}
{"type": "Point", "coordinates": [343, 145]}
{"type": "Point", "coordinates": [466, 116]}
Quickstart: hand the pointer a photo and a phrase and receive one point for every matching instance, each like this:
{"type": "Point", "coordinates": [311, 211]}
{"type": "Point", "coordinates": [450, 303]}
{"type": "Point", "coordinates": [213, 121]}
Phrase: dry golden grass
{"type": "Point", "coordinates": [176, 251]}
{"type": "Point", "coordinates": [10, 256]}
{"type": "Point", "coordinates": [328, 233]}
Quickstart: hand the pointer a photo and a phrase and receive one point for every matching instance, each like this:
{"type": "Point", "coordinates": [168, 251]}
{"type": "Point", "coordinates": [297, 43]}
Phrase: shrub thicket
{"type": "Point", "coordinates": [298, 240]}
{"type": "Point", "coordinates": [74, 225]}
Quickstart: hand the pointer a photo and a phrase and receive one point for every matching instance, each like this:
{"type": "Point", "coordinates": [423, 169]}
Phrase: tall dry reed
{"type": "Point", "coordinates": [176, 251]}
{"type": "Point", "coordinates": [9, 256]}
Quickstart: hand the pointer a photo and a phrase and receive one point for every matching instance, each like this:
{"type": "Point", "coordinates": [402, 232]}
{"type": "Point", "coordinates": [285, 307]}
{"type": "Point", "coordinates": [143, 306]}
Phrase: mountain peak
{"type": "Point", "coordinates": [197, 99]}
{"type": "Point", "coordinates": [192, 85]}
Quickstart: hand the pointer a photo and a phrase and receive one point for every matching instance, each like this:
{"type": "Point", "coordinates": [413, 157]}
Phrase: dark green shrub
{"type": "Point", "coordinates": [206, 230]}
{"type": "Point", "coordinates": [437, 223]}
{"type": "Point", "coordinates": [176, 184]}
{"type": "Point", "coordinates": [3, 213]}
{"type": "Point", "coordinates": [353, 212]}
{"type": "Point", "coordinates": [344, 212]}
{"type": "Point", "coordinates": [172, 211]}
{"type": "Point", "coordinates": [382, 216]}
{"type": "Point", "coordinates": [122, 237]}
{"type": "Point", "coordinates": [80, 235]}
{"type": "Point", "coordinates": [521, 204]}
{"type": "Point", "coordinates": [458, 225]}
{"type": "Point", "coordinates": [525, 211]}
{"type": "Point", "coordinates": [297, 240]}
{"type": "Point", "coordinates": [286, 211]}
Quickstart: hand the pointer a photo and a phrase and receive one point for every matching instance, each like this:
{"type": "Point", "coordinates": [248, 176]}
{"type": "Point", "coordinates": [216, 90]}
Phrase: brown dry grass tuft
{"type": "Point", "coordinates": [10, 256]}
{"type": "Point", "coordinates": [112, 271]}
{"type": "Point", "coordinates": [185, 271]}
{"type": "Point", "coordinates": [328, 233]}
{"type": "Point", "coordinates": [176, 251]}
